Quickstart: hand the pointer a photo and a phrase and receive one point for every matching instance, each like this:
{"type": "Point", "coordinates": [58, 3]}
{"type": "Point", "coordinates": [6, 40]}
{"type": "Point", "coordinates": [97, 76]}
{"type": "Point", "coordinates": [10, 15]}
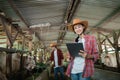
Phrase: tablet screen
{"type": "Point", "coordinates": [74, 48]}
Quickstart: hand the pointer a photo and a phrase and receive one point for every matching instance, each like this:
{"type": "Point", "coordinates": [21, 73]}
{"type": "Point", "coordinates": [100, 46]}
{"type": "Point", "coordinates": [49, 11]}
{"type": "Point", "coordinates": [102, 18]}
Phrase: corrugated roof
{"type": "Point", "coordinates": [103, 15]}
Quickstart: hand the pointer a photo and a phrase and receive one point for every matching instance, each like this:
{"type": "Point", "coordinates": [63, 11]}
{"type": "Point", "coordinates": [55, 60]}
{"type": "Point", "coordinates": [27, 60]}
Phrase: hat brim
{"type": "Point", "coordinates": [85, 23]}
{"type": "Point", "coordinates": [53, 45]}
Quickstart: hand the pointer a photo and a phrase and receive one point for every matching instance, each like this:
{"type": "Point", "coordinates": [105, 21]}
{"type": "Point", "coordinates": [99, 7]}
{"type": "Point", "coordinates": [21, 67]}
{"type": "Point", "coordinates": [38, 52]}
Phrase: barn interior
{"type": "Point", "coordinates": [28, 27]}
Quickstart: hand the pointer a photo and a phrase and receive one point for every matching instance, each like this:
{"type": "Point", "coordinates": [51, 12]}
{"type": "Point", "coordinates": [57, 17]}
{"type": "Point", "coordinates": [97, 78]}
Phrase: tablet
{"type": "Point", "coordinates": [74, 48]}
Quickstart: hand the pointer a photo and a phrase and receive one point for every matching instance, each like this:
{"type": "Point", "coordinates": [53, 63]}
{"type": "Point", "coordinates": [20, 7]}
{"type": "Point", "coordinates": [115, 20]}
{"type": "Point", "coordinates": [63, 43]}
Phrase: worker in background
{"type": "Point", "coordinates": [57, 57]}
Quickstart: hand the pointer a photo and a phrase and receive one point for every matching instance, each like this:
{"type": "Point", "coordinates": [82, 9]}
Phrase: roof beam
{"type": "Point", "coordinates": [99, 29]}
{"type": "Point", "coordinates": [114, 14]}
{"type": "Point", "coordinates": [72, 7]}
{"type": "Point", "coordinates": [13, 6]}
{"type": "Point", "coordinates": [11, 51]}
{"type": "Point", "coordinates": [71, 10]}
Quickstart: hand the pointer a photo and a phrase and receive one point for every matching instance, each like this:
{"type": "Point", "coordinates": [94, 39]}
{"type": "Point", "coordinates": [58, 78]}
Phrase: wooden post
{"type": "Point", "coordinates": [99, 44]}
{"type": "Point", "coordinates": [21, 58]}
{"type": "Point", "coordinates": [115, 46]}
{"type": "Point", "coordinates": [116, 37]}
{"type": "Point", "coordinates": [7, 26]}
{"type": "Point", "coordinates": [100, 49]}
{"type": "Point", "coordinates": [9, 44]}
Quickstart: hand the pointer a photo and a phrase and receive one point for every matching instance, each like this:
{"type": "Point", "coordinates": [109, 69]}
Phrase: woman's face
{"type": "Point", "coordinates": [78, 29]}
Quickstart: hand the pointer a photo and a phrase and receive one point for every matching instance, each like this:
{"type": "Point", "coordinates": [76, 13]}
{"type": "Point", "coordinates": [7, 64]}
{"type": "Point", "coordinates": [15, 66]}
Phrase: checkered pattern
{"type": "Point", "coordinates": [90, 48]}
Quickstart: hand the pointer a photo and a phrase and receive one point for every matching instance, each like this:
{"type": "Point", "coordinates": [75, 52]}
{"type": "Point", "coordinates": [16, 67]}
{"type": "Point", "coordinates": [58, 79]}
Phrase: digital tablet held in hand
{"type": "Point", "coordinates": [74, 48]}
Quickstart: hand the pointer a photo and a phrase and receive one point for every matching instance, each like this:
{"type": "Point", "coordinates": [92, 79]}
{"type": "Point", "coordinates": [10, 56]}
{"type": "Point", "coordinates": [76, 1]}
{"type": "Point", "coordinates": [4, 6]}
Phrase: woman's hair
{"type": "Point", "coordinates": [76, 39]}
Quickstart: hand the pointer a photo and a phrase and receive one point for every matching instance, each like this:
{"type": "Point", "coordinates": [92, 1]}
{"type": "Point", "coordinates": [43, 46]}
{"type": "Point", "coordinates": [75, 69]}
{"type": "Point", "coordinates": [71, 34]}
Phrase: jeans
{"type": "Point", "coordinates": [56, 71]}
{"type": "Point", "coordinates": [78, 76]}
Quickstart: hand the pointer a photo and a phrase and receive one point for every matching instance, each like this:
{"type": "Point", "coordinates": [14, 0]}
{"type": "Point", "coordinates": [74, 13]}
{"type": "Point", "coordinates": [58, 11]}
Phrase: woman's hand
{"type": "Point", "coordinates": [83, 53]}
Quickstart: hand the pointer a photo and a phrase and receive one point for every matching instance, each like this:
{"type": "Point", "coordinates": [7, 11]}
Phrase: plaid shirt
{"type": "Point", "coordinates": [60, 57]}
{"type": "Point", "coordinates": [90, 48]}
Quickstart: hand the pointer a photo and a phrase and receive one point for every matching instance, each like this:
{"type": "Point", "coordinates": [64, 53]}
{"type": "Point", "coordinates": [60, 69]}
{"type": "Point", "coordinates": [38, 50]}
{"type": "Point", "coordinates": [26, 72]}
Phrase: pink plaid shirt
{"type": "Point", "coordinates": [90, 48]}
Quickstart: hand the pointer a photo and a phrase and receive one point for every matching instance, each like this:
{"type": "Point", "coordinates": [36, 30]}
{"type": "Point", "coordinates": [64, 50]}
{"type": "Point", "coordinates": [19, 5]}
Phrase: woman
{"type": "Point", "coordinates": [82, 68]}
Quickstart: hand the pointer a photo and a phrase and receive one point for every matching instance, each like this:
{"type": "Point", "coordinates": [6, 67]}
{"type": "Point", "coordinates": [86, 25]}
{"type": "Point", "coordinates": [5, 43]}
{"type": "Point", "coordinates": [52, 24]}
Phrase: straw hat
{"type": "Point", "coordinates": [53, 44]}
{"type": "Point", "coordinates": [77, 21]}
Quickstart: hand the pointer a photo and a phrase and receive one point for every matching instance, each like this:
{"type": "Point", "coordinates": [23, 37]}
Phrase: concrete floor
{"type": "Point", "coordinates": [99, 75]}
{"type": "Point", "coordinates": [106, 75]}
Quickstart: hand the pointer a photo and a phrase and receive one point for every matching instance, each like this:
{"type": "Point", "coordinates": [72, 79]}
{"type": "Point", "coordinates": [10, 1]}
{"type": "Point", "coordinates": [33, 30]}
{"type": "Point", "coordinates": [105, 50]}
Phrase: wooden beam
{"type": "Point", "coordinates": [72, 7]}
{"type": "Point", "coordinates": [7, 31]}
{"type": "Point", "coordinates": [14, 38]}
{"type": "Point", "coordinates": [11, 51]}
{"type": "Point", "coordinates": [99, 29]}
{"type": "Point", "coordinates": [44, 30]}
{"type": "Point", "coordinates": [14, 7]}
{"type": "Point", "coordinates": [2, 42]}
{"type": "Point", "coordinates": [17, 12]}
{"type": "Point", "coordinates": [3, 37]}
{"type": "Point", "coordinates": [113, 15]}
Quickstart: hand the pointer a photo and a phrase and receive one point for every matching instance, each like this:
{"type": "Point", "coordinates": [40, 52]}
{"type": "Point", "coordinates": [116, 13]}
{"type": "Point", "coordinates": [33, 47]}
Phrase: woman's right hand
{"type": "Point", "coordinates": [83, 53]}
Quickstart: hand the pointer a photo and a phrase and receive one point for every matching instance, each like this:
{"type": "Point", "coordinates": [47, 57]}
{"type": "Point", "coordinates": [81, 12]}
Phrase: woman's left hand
{"type": "Point", "coordinates": [83, 53]}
